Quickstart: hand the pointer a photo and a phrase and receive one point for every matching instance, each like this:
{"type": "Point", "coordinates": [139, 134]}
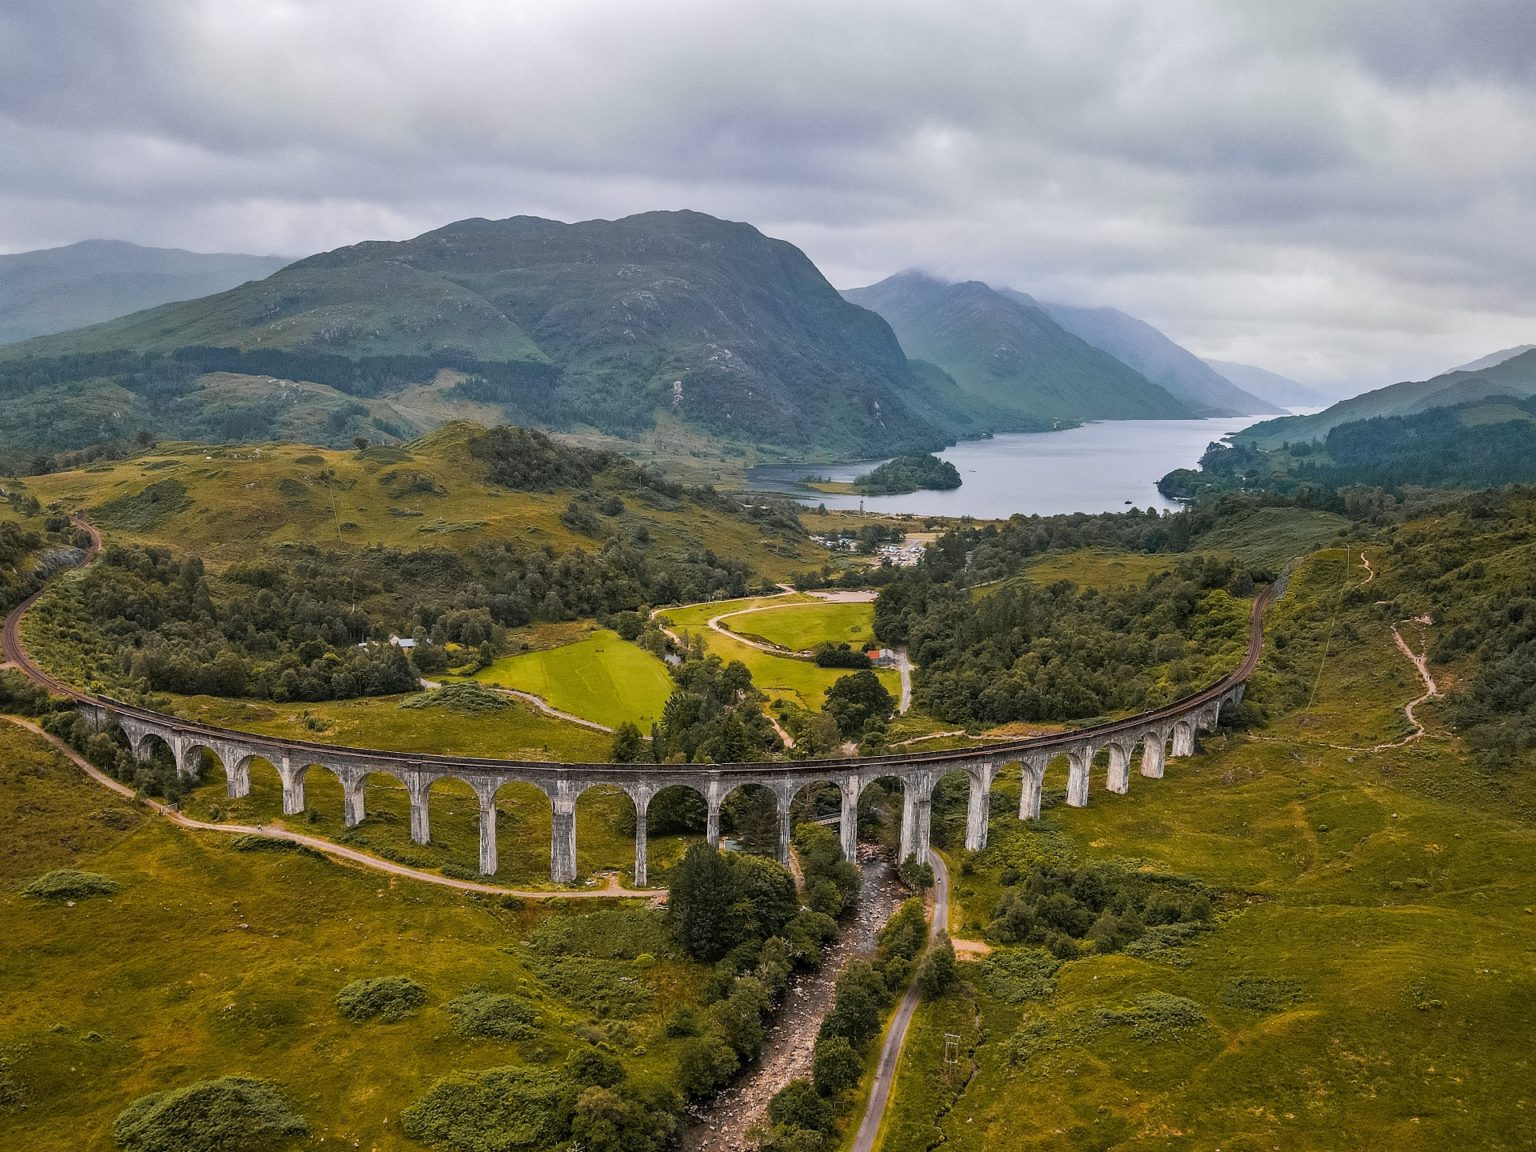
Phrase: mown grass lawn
{"type": "Point", "coordinates": [802, 626]}
{"type": "Point", "coordinates": [210, 962]}
{"type": "Point", "coordinates": [602, 678]}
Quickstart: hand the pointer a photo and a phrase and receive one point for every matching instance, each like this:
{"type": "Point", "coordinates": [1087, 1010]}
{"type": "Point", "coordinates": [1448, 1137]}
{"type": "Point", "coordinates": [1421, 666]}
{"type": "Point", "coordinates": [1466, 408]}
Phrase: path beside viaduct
{"type": "Point", "coordinates": [1160, 734]}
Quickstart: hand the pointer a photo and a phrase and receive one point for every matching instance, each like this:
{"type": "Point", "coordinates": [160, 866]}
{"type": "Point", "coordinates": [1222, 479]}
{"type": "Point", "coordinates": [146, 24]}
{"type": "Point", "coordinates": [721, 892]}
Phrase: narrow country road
{"type": "Point", "coordinates": [351, 855]}
{"type": "Point", "coordinates": [890, 1053]}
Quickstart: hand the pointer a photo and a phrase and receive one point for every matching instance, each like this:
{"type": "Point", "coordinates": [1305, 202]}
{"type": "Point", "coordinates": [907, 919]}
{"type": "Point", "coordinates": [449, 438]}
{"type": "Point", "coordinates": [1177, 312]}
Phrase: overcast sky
{"type": "Point", "coordinates": [1336, 190]}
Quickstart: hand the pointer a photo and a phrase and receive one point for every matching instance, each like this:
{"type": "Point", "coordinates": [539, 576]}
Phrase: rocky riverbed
{"type": "Point", "coordinates": [722, 1124]}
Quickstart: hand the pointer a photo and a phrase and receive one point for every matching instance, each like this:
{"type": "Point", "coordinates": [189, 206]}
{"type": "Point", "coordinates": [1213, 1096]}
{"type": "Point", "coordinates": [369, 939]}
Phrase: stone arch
{"type": "Point", "coordinates": [605, 813]}
{"type": "Point", "coordinates": [756, 814]}
{"type": "Point", "coordinates": [201, 758]}
{"type": "Point", "coordinates": [951, 822]}
{"type": "Point", "coordinates": [522, 809]}
{"type": "Point", "coordinates": [668, 817]}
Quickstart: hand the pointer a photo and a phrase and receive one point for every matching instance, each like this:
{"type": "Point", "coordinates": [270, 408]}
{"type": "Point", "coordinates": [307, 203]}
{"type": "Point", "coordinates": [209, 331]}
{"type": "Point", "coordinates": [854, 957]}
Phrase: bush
{"type": "Point", "coordinates": [479, 1014]}
{"type": "Point", "coordinates": [592, 1068]}
{"type": "Point", "coordinates": [230, 1114]}
{"type": "Point", "coordinates": [387, 998]}
{"type": "Point", "coordinates": [936, 975]}
{"type": "Point", "coordinates": [469, 698]}
{"type": "Point", "coordinates": [494, 1110]}
{"type": "Point", "coordinates": [797, 1105]}
{"type": "Point", "coordinates": [67, 884]}
{"type": "Point", "coordinates": [835, 1066]}
{"type": "Point", "coordinates": [252, 842]}
{"type": "Point", "coordinates": [1017, 976]}
{"type": "Point", "coordinates": [704, 1065]}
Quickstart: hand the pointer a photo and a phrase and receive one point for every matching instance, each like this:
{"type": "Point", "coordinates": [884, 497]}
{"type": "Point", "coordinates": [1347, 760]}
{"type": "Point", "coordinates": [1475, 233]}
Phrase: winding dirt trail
{"type": "Point", "coordinates": [330, 848]}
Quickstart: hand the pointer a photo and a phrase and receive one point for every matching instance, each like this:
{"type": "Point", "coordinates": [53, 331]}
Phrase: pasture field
{"type": "Point", "coordinates": [1369, 982]}
{"type": "Point", "coordinates": [800, 627]}
{"type": "Point", "coordinates": [208, 961]}
{"type": "Point", "coordinates": [516, 732]}
{"type": "Point", "coordinates": [1098, 568]}
{"type": "Point", "coordinates": [781, 677]}
{"type": "Point", "coordinates": [603, 678]}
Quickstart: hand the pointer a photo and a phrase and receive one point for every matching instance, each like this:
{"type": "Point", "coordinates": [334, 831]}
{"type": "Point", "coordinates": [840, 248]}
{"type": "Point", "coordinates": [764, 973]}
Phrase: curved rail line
{"type": "Point", "coordinates": [918, 771]}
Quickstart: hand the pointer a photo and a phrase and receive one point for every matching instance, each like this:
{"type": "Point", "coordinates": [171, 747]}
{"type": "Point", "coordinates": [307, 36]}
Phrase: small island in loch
{"type": "Point", "coordinates": [909, 474]}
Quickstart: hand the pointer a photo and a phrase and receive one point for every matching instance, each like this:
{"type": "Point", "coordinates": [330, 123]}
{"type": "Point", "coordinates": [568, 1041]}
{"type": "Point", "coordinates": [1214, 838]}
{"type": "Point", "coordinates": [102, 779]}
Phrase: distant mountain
{"type": "Point", "coordinates": [1007, 352]}
{"type": "Point", "coordinates": [1494, 359]}
{"type": "Point", "coordinates": [602, 323]}
{"type": "Point", "coordinates": [1271, 386]}
{"type": "Point", "coordinates": [1181, 373]}
{"type": "Point", "coordinates": [1515, 377]}
{"type": "Point", "coordinates": [55, 289]}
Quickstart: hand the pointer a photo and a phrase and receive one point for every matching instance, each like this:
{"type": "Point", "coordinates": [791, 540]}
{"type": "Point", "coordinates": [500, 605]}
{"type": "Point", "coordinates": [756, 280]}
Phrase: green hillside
{"type": "Point", "coordinates": [55, 289]}
{"type": "Point", "coordinates": [1010, 355]}
{"type": "Point", "coordinates": [602, 324]}
{"type": "Point", "coordinates": [1513, 377]}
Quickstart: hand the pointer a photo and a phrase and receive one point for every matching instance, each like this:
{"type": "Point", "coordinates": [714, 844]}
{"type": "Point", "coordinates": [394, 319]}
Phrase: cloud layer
{"type": "Point", "coordinates": [1342, 191]}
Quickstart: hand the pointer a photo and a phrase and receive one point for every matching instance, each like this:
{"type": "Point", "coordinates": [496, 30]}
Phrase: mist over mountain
{"type": "Point", "coordinates": [1514, 377]}
{"type": "Point", "coordinates": [55, 289]}
{"type": "Point", "coordinates": [1494, 359]}
{"type": "Point", "coordinates": [1180, 372]}
{"type": "Point", "coordinates": [603, 323]}
{"type": "Point", "coordinates": [1007, 351]}
{"type": "Point", "coordinates": [1277, 389]}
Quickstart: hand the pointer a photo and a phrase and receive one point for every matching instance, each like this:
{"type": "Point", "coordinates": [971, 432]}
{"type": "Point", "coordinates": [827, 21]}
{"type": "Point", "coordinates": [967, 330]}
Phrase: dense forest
{"type": "Point", "coordinates": [1475, 445]}
{"type": "Point", "coordinates": [1020, 651]}
{"type": "Point", "coordinates": [312, 624]}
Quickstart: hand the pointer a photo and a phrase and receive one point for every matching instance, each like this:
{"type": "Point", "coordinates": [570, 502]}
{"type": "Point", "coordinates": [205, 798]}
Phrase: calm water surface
{"type": "Point", "coordinates": [1096, 468]}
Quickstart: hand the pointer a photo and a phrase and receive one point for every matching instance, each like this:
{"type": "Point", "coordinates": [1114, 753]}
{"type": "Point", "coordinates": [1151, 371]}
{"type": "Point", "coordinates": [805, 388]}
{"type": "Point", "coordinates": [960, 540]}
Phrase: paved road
{"type": "Point", "coordinates": [890, 1053]}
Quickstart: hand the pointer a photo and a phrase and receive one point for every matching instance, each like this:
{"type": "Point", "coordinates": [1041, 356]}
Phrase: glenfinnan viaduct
{"type": "Point", "coordinates": [1162, 733]}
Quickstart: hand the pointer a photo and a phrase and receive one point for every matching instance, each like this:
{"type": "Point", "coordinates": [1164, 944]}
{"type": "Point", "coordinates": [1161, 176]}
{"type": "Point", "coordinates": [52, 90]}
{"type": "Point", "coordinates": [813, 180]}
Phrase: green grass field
{"type": "Point", "coordinates": [1097, 568]}
{"type": "Point", "coordinates": [209, 962]}
{"type": "Point", "coordinates": [779, 677]}
{"type": "Point", "coordinates": [517, 732]}
{"type": "Point", "coordinates": [1387, 891]}
{"type": "Point", "coordinates": [800, 627]}
{"type": "Point", "coordinates": [602, 678]}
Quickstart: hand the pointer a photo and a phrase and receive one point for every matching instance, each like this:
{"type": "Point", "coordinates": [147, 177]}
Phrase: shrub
{"type": "Point", "coordinates": [704, 1064]}
{"type": "Point", "coordinates": [68, 884]}
{"type": "Point", "coordinates": [1262, 993]}
{"type": "Point", "coordinates": [469, 698]}
{"type": "Point", "coordinates": [230, 1114]}
{"type": "Point", "coordinates": [936, 975]}
{"type": "Point", "coordinates": [797, 1105]}
{"type": "Point", "coordinates": [835, 1066]}
{"type": "Point", "coordinates": [387, 998]}
{"type": "Point", "coordinates": [1154, 1016]}
{"type": "Point", "coordinates": [494, 1110]}
{"type": "Point", "coordinates": [1017, 976]}
{"type": "Point", "coordinates": [591, 1067]}
{"type": "Point", "coordinates": [479, 1014]}
{"type": "Point", "coordinates": [252, 842]}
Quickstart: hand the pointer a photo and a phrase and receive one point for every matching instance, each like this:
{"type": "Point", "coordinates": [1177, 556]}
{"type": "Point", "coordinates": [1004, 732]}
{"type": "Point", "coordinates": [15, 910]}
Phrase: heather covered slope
{"type": "Point", "coordinates": [55, 289]}
{"type": "Point", "coordinates": [602, 323]}
{"type": "Point", "coordinates": [1011, 354]}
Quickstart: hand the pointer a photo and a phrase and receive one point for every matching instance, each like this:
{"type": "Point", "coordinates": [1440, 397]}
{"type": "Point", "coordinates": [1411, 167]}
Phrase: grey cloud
{"type": "Point", "coordinates": [1332, 189]}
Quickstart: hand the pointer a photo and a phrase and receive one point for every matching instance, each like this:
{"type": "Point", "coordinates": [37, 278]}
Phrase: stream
{"type": "Point", "coordinates": [721, 1124]}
